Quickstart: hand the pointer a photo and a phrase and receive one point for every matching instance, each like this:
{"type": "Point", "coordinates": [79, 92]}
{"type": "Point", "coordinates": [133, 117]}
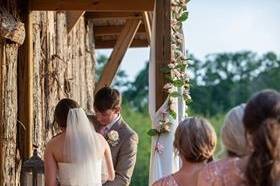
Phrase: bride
{"type": "Point", "coordinates": [74, 157]}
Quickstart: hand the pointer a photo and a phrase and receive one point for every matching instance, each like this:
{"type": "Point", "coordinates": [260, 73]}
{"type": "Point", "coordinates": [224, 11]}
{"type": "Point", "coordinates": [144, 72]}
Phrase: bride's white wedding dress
{"type": "Point", "coordinates": [82, 150]}
{"type": "Point", "coordinates": [65, 175]}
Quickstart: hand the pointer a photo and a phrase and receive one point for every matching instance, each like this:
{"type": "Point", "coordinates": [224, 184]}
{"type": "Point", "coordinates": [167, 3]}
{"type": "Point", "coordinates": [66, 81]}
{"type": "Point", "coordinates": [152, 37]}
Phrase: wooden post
{"type": "Point", "coordinates": [72, 19]}
{"type": "Point", "coordinates": [25, 90]}
{"type": "Point", "coordinates": [122, 44]}
{"type": "Point", "coordinates": [162, 47]}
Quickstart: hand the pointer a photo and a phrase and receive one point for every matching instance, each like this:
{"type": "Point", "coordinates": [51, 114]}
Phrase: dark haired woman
{"type": "Point", "coordinates": [75, 156]}
{"type": "Point", "coordinates": [262, 129]}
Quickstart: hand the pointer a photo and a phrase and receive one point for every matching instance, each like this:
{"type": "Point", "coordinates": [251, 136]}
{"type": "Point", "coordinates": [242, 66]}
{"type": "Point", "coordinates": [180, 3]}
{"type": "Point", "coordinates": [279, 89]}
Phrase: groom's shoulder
{"type": "Point", "coordinates": [128, 131]}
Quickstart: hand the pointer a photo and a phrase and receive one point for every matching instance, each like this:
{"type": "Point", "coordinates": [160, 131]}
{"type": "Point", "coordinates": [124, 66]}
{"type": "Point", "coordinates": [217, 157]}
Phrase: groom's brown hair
{"type": "Point", "coordinates": [107, 98]}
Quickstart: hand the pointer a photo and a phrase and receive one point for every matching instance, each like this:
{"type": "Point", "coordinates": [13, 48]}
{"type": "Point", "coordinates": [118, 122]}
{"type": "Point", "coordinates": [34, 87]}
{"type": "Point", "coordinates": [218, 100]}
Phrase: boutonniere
{"type": "Point", "coordinates": [113, 137]}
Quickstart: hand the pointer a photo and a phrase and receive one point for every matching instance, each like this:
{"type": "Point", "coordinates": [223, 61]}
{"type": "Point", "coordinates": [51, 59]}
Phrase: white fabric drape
{"type": "Point", "coordinates": [165, 162]}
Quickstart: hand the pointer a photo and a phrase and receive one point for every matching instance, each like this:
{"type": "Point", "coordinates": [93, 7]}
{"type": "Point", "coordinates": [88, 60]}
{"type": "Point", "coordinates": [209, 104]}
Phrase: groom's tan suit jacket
{"type": "Point", "coordinates": [123, 152]}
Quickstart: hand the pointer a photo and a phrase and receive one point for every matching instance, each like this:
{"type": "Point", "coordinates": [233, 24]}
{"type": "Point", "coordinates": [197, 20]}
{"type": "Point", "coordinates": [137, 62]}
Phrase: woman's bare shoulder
{"type": "Point", "coordinates": [54, 141]}
{"type": "Point", "coordinates": [101, 139]}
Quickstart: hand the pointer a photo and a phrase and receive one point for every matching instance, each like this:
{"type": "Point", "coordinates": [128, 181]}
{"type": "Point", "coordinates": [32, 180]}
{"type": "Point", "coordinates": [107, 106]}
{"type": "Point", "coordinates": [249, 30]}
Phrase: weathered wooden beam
{"type": "Point", "coordinates": [113, 30]}
{"type": "Point", "coordinates": [107, 44]}
{"type": "Point", "coordinates": [10, 28]}
{"type": "Point", "coordinates": [119, 51]}
{"type": "Point", "coordinates": [148, 26]}
{"type": "Point", "coordinates": [94, 5]}
{"type": "Point", "coordinates": [162, 47]}
{"type": "Point", "coordinates": [112, 15]}
{"type": "Point", "coordinates": [72, 18]}
{"type": "Point", "coordinates": [25, 90]}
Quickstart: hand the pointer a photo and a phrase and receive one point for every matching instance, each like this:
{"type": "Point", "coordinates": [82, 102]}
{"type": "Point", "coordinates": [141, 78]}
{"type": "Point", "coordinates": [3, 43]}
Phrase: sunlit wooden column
{"type": "Point", "coordinates": [25, 89]}
{"type": "Point", "coordinates": [162, 46]}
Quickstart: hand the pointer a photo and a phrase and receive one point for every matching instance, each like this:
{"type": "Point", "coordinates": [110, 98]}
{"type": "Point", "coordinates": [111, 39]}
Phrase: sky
{"type": "Point", "coordinates": [220, 26]}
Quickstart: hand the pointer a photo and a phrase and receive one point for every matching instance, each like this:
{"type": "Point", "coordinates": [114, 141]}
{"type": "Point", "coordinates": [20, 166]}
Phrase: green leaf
{"type": "Point", "coordinates": [175, 94]}
{"type": "Point", "coordinates": [173, 114]}
{"type": "Point", "coordinates": [184, 16]}
{"type": "Point", "coordinates": [182, 67]}
{"type": "Point", "coordinates": [178, 83]}
{"type": "Point", "coordinates": [152, 132]}
{"type": "Point", "coordinates": [168, 78]}
{"type": "Point", "coordinates": [165, 70]}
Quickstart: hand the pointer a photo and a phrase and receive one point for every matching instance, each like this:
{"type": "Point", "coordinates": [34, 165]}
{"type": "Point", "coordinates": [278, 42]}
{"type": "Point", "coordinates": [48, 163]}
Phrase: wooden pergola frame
{"type": "Point", "coordinates": [94, 5]}
{"type": "Point", "coordinates": [138, 21]}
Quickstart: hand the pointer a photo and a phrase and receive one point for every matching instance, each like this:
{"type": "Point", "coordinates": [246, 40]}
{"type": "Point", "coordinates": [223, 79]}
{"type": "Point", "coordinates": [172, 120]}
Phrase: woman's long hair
{"type": "Point", "coordinates": [262, 125]}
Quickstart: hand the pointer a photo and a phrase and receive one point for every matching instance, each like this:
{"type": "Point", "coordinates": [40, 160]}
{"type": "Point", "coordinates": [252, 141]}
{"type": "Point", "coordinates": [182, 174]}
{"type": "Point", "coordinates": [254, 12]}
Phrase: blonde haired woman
{"type": "Point", "coordinates": [195, 141]}
{"type": "Point", "coordinates": [233, 133]}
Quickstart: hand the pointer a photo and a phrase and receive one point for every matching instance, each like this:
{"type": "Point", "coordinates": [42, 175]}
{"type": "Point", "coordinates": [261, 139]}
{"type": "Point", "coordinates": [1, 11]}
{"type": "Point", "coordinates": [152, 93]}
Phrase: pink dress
{"type": "Point", "coordinates": [225, 172]}
{"type": "Point", "coordinates": [167, 181]}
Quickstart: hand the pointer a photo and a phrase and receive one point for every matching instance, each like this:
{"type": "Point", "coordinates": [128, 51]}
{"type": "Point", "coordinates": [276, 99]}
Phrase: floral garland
{"type": "Point", "coordinates": [175, 71]}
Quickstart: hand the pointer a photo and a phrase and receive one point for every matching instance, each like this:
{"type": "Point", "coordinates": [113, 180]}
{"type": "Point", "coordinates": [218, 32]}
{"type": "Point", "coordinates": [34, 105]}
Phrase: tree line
{"type": "Point", "coordinates": [218, 82]}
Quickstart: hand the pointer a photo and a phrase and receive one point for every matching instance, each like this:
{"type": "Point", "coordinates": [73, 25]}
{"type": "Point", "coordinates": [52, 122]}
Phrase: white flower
{"type": "Point", "coordinates": [174, 22]}
{"type": "Point", "coordinates": [176, 72]}
{"type": "Point", "coordinates": [184, 75]}
{"type": "Point", "coordinates": [170, 90]}
{"type": "Point", "coordinates": [173, 47]}
{"type": "Point", "coordinates": [172, 105]}
{"type": "Point", "coordinates": [180, 36]}
{"type": "Point", "coordinates": [167, 86]}
{"type": "Point", "coordinates": [113, 137]}
{"type": "Point", "coordinates": [171, 65]}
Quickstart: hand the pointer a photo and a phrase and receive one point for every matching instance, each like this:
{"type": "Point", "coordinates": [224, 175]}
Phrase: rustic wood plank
{"type": "Point", "coordinates": [148, 27]}
{"type": "Point", "coordinates": [113, 30]}
{"type": "Point", "coordinates": [1, 106]}
{"type": "Point", "coordinates": [112, 15]}
{"type": "Point", "coordinates": [162, 47]}
{"type": "Point", "coordinates": [94, 5]}
{"type": "Point", "coordinates": [119, 51]}
{"type": "Point", "coordinates": [8, 112]}
{"type": "Point", "coordinates": [107, 44]}
{"type": "Point", "coordinates": [72, 18]}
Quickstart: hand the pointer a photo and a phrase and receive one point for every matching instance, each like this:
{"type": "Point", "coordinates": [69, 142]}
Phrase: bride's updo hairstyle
{"type": "Point", "coordinates": [195, 140]}
{"type": "Point", "coordinates": [262, 126]}
{"type": "Point", "coordinates": [62, 109]}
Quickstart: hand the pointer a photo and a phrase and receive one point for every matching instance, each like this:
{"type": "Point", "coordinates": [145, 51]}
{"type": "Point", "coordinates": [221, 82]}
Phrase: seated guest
{"type": "Point", "coordinates": [233, 133]}
{"type": "Point", "coordinates": [260, 168]}
{"type": "Point", "coordinates": [195, 141]}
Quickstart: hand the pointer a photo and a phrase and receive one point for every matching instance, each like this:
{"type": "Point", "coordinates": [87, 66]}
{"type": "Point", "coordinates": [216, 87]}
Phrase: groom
{"type": "Point", "coordinates": [121, 138]}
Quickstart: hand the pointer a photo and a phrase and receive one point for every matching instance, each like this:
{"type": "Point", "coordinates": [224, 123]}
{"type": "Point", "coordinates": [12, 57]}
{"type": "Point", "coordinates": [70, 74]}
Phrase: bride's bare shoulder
{"type": "Point", "coordinates": [101, 138]}
{"type": "Point", "coordinates": [55, 139]}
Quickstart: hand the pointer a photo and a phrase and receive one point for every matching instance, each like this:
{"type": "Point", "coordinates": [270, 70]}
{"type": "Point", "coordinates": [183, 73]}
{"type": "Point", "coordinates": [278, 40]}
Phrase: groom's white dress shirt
{"type": "Point", "coordinates": [106, 129]}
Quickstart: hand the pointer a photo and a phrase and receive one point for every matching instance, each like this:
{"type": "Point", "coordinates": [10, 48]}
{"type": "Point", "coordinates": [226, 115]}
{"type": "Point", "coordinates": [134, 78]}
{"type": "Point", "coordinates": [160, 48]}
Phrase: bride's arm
{"type": "Point", "coordinates": [108, 161]}
{"type": "Point", "coordinates": [50, 166]}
